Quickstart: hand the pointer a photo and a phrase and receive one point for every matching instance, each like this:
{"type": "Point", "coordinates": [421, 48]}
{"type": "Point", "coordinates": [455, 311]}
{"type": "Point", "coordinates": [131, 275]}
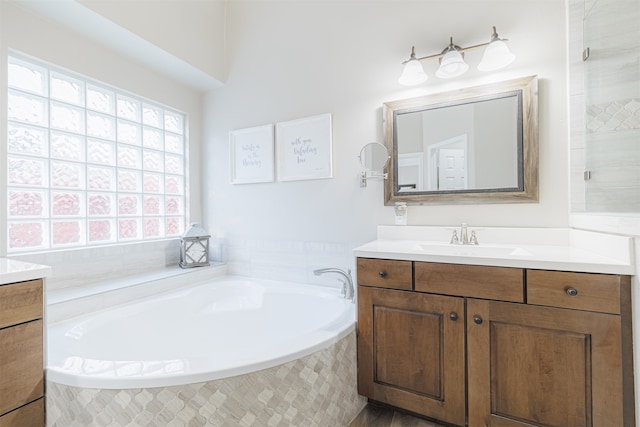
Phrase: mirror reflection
{"type": "Point", "coordinates": [474, 145]}
{"type": "Point", "coordinates": [374, 157]}
{"type": "Point", "coordinates": [461, 145]}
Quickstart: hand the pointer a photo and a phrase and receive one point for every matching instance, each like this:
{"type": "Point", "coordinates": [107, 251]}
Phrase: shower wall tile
{"type": "Point", "coordinates": [612, 106]}
{"type": "Point", "coordinates": [612, 78]}
{"type": "Point", "coordinates": [613, 149]}
{"type": "Point", "coordinates": [614, 159]}
{"type": "Point", "coordinates": [315, 391]}
{"type": "Point", "coordinates": [612, 33]}
{"type": "Point", "coordinates": [575, 46]}
{"type": "Point", "coordinates": [612, 24]}
{"type": "Point", "coordinates": [627, 225]}
{"type": "Point", "coordinates": [588, 5]}
{"type": "Point", "coordinates": [576, 121]}
{"type": "Point", "coordinates": [607, 199]}
{"type": "Point", "coordinates": [621, 114]}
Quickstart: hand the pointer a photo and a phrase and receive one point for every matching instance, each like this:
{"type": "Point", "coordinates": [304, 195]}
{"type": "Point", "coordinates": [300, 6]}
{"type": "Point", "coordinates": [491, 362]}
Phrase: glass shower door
{"type": "Point", "coordinates": [612, 105]}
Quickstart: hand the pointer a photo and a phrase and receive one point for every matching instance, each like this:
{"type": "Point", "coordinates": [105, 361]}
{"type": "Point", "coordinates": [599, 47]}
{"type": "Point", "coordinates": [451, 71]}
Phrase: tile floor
{"type": "Point", "coordinates": [380, 416]}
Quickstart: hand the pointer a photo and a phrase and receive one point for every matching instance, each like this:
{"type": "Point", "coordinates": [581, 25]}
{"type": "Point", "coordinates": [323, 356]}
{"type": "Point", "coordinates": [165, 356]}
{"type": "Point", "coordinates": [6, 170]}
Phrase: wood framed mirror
{"type": "Point", "coordinates": [469, 146]}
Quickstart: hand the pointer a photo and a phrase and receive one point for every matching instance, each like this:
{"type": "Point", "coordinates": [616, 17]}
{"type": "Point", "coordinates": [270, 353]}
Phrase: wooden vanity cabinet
{"type": "Point", "coordinates": [21, 355]}
{"type": "Point", "coordinates": [544, 353]}
{"type": "Point", "coordinates": [411, 351]}
{"type": "Point", "coordinates": [543, 366]}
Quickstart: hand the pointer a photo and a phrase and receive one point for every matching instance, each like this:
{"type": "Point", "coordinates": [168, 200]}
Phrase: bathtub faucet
{"type": "Point", "coordinates": [347, 283]}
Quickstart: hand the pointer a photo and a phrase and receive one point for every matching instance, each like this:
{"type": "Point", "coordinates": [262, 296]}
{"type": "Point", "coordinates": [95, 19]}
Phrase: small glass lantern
{"type": "Point", "coordinates": [194, 247]}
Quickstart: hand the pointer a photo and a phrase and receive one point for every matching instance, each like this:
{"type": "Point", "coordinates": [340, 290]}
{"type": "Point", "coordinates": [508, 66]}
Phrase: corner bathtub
{"type": "Point", "coordinates": [232, 351]}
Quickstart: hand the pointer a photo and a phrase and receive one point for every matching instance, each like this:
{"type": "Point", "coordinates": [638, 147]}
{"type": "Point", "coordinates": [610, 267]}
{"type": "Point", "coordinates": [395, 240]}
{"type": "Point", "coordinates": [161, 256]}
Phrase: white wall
{"type": "Point", "coordinates": [289, 59]}
{"type": "Point", "coordinates": [192, 30]}
{"type": "Point", "coordinates": [25, 31]}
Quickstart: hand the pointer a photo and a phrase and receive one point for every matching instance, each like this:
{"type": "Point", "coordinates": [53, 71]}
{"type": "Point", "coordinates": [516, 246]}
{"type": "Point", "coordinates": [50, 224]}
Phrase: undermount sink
{"type": "Point", "coordinates": [473, 250]}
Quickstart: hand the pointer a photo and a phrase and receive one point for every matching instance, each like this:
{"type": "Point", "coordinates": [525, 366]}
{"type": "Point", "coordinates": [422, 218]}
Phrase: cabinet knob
{"type": "Point", "coordinates": [453, 316]}
{"type": "Point", "coordinates": [382, 274]}
{"type": "Point", "coordinates": [572, 292]}
{"type": "Point", "coordinates": [477, 320]}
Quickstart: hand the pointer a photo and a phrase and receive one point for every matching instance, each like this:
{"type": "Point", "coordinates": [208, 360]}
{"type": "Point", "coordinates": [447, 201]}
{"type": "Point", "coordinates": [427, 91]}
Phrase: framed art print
{"type": "Point", "coordinates": [304, 148]}
{"type": "Point", "coordinates": [251, 155]}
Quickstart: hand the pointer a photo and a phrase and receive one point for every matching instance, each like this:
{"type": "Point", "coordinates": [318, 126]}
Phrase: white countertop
{"type": "Point", "coordinates": [548, 249]}
{"type": "Point", "coordinates": [12, 271]}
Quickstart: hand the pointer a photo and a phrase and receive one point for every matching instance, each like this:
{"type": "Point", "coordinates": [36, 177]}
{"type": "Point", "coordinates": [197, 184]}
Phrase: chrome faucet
{"type": "Point", "coordinates": [464, 238]}
{"type": "Point", "coordinates": [347, 283]}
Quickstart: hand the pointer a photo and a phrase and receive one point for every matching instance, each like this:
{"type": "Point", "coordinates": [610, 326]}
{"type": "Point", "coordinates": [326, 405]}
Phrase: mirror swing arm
{"type": "Point", "coordinates": [366, 175]}
{"type": "Point", "coordinates": [520, 154]}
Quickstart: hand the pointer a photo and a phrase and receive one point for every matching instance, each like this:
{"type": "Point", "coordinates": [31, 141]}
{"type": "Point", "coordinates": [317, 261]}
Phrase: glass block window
{"type": "Point", "coordinates": [89, 164]}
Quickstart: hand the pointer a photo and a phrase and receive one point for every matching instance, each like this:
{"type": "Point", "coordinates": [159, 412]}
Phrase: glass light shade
{"type": "Point", "coordinates": [412, 73]}
{"type": "Point", "coordinates": [452, 65]}
{"type": "Point", "coordinates": [496, 56]}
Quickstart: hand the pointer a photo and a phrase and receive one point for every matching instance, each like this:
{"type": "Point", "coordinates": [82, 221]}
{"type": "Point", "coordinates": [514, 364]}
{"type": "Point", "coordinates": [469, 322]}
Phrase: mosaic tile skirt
{"type": "Point", "coordinates": [315, 391]}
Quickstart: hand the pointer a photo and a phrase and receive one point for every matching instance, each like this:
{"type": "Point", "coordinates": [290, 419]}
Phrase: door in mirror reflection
{"type": "Point", "coordinates": [450, 169]}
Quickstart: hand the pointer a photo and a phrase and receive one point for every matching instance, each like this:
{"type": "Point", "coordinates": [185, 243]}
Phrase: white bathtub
{"type": "Point", "coordinates": [226, 327]}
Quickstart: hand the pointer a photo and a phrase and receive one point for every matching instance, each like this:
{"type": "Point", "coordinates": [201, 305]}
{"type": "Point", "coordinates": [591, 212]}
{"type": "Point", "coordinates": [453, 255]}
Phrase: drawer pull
{"type": "Point", "coordinates": [382, 274]}
{"type": "Point", "coordinates": [572, 292]}
{"type": "Point", "coordinates": [453, 316]}
{"type": "Point", "coordinates": [477, 320]}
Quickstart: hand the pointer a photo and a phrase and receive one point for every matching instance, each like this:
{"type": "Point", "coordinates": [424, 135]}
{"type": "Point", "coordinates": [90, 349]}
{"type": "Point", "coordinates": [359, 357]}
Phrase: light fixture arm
{"type": "Point", "coordinates": [494, 36]}
{"type": "Point", "coordinates": [452, 63]}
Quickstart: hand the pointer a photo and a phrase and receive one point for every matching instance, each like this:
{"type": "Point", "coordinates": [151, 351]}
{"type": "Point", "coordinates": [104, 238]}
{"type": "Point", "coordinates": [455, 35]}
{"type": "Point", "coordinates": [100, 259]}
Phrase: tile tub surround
{"type": "Point", "coordinates": [316, 390]}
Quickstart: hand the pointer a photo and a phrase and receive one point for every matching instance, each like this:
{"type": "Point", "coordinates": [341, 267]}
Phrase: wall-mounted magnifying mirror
{"type": "Point", "coordinates": [374, 157]}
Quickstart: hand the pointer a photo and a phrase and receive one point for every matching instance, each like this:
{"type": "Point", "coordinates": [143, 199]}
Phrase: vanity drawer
{"type": "Point", "coordinates": [385, 273]}
{"type": "Point", "coordinates": [21, 365]}
{"type": "Point", "coordinates": [475, 281]}
{"type": "Point", "coordinates": [580, 291]}
{"type": "Point", "coordinates": [20, 302]}
{"type": "Point", "coordinates": [31, 415]}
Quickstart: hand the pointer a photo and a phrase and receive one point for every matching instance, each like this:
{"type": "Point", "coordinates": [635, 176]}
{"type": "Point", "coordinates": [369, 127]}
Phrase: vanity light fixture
{"type": "Point", "coordinates": [497, 55]}
{"type": "Point", "coordinates": [452, 64]}
{"type": "Point", "coordinates": [412, 73]}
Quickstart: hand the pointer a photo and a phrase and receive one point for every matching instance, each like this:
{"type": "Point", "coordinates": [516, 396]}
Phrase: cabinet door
{"type": "Point", "coordinates": [411, 352]}
{"type": "Point", "coordinates": [541, 366]}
